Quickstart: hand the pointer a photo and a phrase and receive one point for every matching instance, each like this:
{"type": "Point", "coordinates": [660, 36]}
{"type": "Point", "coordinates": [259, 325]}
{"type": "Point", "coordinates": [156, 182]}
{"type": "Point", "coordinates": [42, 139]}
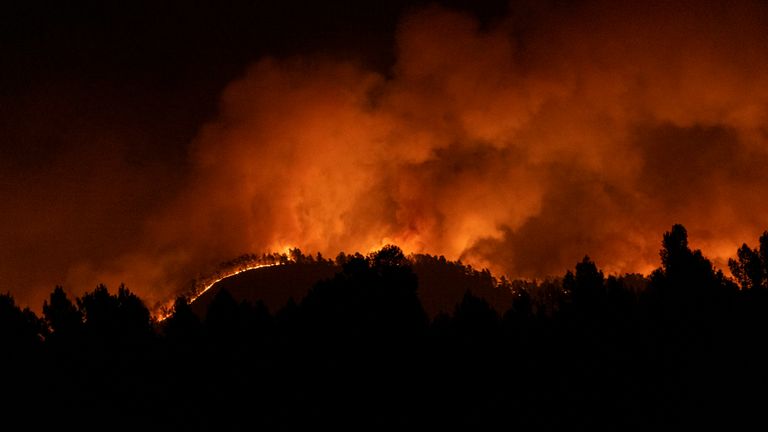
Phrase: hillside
{"type": "Point", "coordinates": [441, 284]}
{"type": "Point", "coordinates": [272, 285]}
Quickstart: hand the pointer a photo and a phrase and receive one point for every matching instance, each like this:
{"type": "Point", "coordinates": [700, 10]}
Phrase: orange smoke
{"type": "Point", "coordinates": [519, 145]}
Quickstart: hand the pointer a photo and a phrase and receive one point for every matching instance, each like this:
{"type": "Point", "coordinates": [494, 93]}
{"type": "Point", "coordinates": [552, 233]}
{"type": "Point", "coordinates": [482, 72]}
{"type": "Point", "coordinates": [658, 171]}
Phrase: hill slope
{"type": "Point", "coordinates": [442, 284]}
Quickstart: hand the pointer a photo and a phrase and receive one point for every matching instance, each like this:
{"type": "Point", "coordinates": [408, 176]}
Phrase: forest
{"type": "Point", "coordinates": [681, 347]}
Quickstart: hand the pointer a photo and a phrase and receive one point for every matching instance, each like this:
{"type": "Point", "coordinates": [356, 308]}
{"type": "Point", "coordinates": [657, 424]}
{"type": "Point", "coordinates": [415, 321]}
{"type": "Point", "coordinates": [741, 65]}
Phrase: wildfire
{"type": "Point", "coordinates": [519, 145]}
{"type": "Point", "coordinates": [237, 266]}
{"type": "Point", "coordinates": [238, 271]}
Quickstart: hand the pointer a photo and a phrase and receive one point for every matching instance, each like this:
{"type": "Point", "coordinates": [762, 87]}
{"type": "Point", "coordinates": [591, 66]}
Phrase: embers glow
{"type": "Point", "coordinates": [203, 286]}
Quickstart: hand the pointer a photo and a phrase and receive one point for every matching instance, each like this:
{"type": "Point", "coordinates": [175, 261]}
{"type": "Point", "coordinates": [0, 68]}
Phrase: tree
{"type": "Point", "coordinates": [115, 319]}
{"type": "Point", "coordinates": [684, 270]}
{"type": "Point", "coordinates": [587, 285]}
{"type": "Point", "coordinates": [21, 335]}
{"type": "Point", "coordinates": [763, 252]}
{"type": "Point", "coordinates": [748, 268]}
{"type": "Point", "coordinates": [62, 316]}
{"type": "Point", "coordinates": [675, 254]}
{"type": "Point", "coordinates": [223, 317]}
{"type": "Point", "coordinates": [99, 309]}
{"type": "Point", "coordinates": [134, 316]}
{"type": "Point", "coordinates": [389, 256]}
{"type": "Point", "coordinates": [20, 330]}
{"type": "Point", "coordinates": [183, 326]}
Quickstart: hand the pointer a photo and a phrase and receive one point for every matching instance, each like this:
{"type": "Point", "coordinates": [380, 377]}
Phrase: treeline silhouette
{"type": "Point", "coordinates": [685, 347]}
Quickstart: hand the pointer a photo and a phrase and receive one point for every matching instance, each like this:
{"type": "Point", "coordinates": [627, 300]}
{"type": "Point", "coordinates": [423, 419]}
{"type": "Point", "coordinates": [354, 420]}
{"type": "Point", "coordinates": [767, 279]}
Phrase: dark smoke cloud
{"type": "Point", "coordinates": [520, 144]}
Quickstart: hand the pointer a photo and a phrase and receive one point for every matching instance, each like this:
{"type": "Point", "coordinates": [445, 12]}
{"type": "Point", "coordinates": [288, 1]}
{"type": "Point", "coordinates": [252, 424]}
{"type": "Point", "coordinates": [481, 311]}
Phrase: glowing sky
{"type": "Point", "coordinates": [519, 140]}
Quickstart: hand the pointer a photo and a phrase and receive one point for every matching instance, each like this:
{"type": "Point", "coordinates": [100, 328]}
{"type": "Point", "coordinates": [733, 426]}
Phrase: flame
{"type": "Point", "coordinates": [202, 287]}
{"type": "Point", "coordinates": [520, 158]}
{"type": "Point", "coordinates": [520, 144]}
{"type": "Point", "coordinates": [228, 275]}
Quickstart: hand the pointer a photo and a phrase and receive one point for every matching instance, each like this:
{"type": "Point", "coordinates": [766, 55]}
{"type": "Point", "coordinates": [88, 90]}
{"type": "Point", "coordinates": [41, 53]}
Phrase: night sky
{"type": "Point", "coordinates": [145, 143]}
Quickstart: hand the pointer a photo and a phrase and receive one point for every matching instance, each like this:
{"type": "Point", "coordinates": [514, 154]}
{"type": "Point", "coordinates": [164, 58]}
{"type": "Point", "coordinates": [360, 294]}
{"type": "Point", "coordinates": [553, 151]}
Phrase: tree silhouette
{"type": "Point", "coordinates": [115, 320]}
{"type": "Point", "coordinates": [685, 274]}
{"type": "Point", "coordinates": [675, 254]}
{"type": "Point", "coordinates": [61, 315]}
{"type": "Point", "coordinates": [581, 351]}
{"type": "Point", "coordinates": [223, 321]}
{"type": "Point", "coordinates": [21, 336]}
{"type": "Point", "coordinates": [182, 327]}
{"type": "Point", "coordinates": [21, 331]}
{"type": "Point", "coordinates": [586, 287]}
{"type": "Point", "coordinates": [748, 268]}
{"type": "Point", "coordinates": [374, 295]}
{"type": "Point", "coordinates": [763, 251]}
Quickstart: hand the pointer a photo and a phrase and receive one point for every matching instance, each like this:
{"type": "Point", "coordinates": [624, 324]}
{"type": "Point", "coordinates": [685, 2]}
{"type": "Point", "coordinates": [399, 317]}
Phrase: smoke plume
{"type": "Point", "coordinates": [519, 144]}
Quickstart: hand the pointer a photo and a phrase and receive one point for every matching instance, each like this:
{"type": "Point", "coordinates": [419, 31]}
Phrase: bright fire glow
{"type": "Point", "coordinates": [166, 311]}
{"type": "Point", "coordinates": [519, 144]}
{"type": "Point", "coordinates": [230, 274]}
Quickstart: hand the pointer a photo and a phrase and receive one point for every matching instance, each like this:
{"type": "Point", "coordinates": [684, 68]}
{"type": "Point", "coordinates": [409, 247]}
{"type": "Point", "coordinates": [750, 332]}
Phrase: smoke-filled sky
{"type": "Point", "coordinates": [148, 144]}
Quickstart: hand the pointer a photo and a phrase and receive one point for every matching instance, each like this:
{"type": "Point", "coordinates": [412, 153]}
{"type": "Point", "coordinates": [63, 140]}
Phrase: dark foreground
{"type": "Point", "coordinates": [685, 347]}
